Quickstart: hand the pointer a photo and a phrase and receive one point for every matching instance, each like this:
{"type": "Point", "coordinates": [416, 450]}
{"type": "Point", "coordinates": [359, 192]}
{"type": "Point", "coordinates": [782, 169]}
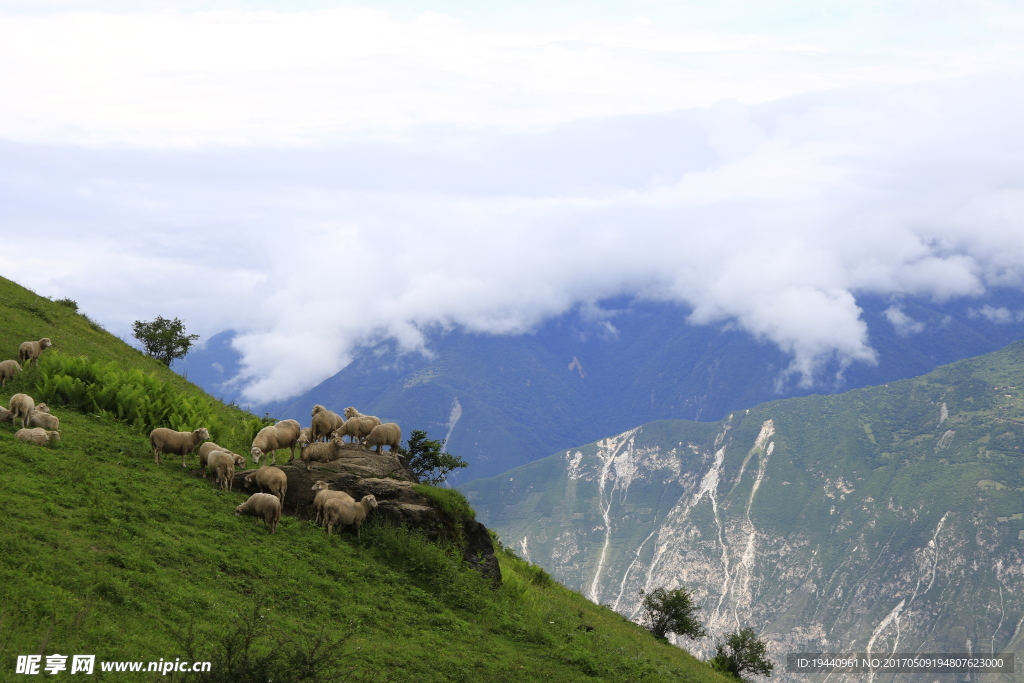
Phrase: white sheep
{"type": "Point", "coordinates": [342, 513]}
{"type": "Point", "coordinates": [209, 447]}
{"type": "Point", "coordinates": [42, 418]}
{"type": "Point", "coordinates": [305, 437]}
{"type": "Point", "coordinates": [324, 422]}
{"type": "Point", "coordinates": [284, 434]}
{"type": "Point", "coordinates": [388, 434]}
{"type": "Point", "coordinates": [38, 436]}
{"type": "Point", "coordinates": [22, 405]}
{"type": "Point", "coordinates": [5, 415]}
{"type": "Point", "coordinates": [272, 479]}
{"type": "Point", "coordinates": [321, 452]}
{"type": "Point", "coordinates": [164, 440]}
{"type": "Point", "coordinates": [323, 494]}
{"type": "Point", "coordinates": [31, 350]}
{"type": "Point", "coordinates": [263, 505]}
{"type": "Point", "coordinates": [222, 466]}
{"type": "Point", "coordinates": [358, 428]}
{"type": "Point", "coordinates": [43, 408]}
{"type": "Point", "coordinates": [8, 369]}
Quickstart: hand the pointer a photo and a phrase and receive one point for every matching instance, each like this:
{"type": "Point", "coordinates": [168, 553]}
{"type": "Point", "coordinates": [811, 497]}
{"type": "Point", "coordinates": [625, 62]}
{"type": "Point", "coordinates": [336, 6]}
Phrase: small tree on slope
{"type": "Point", "coordinates": [163, 339]}
{"type": "Point", "coordinates": [426, 460]}
{"type": "Point", "coordinates": [742, 652]}
{"type": "Point", "coordinates": [671, 611]}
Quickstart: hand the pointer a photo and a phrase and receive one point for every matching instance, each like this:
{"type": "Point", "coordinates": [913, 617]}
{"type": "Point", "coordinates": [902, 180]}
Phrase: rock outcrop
{"type": "Point", "coordinates": [360, 472]}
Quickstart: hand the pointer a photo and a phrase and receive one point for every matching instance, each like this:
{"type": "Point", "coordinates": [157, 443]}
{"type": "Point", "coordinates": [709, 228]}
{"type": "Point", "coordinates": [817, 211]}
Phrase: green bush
{"type": "Point", "coordinates": [140, 399]}
{"type": "Point", "coordinates": [70, 303]}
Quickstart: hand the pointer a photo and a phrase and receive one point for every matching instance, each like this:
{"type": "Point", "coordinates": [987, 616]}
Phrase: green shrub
{"type": "Point", "coordinates": [140, 399]}
{"type": "Point", "coordinates": [69, 303]}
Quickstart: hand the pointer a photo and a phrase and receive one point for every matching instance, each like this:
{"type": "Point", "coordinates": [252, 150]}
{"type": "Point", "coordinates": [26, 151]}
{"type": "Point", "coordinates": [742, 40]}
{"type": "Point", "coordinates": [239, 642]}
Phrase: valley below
{"type": "Point", "coordinates": [887, 519]}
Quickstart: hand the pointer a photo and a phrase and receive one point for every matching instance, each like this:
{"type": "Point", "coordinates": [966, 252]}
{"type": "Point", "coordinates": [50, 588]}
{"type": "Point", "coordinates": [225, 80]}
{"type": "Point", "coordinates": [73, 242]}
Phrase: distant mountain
{"type": "Point", "coordinates": [212, 366]}
{"type": "Point", "coordinates": [507, 400]}
{"type": "Point", "coordinates": [885, 519]}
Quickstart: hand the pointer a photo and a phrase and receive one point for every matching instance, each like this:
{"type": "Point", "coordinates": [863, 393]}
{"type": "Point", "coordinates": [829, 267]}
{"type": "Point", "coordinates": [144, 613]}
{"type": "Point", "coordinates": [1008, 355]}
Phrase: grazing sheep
{"type": "Point", "coordinates": [222, 467]}
{"type": "Point", "coordinates": [209, 447]}
{"type": "Point", "coordinates": [324, 494]}
{"type": "Point", "coordinates": [324, 422]}
{"type": "Point", "coordinates": [321, 452]}
{"type": "Point", "coordinates": [38, 436]}
{"type": "Point", "coordinates": [388, 434]}
{"type": "Point", "coordinates": [271, 478]}
{"type": "Point", "coordinates": [342, 513]}
{"type": "Point", "coordinates": [8, 369]}
{"type": "Point", "coordinates": [284, 434]}
{"type": "Point", "coordinates": [22, 405]}
{"type": "Point", "coordinates": [5, 415]}
{"type": "Point", "coordinates": [262, 505]}
{"type": "Point", "coordinates": [31, 350]}
{"type": "Point", "coordinates": [164, 440]}
{"type": "Point", "coordinates": [42, 418]}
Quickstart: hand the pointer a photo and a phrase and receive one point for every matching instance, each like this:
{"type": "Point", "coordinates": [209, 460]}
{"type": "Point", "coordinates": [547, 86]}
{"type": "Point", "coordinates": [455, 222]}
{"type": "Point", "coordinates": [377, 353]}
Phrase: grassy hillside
{"type": "Point", "coordinates": [27, 316]}
{"type": "Point", "coordinates": [105, 553]}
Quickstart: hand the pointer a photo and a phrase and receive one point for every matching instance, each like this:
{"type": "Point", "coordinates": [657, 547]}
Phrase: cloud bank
{"type": "Point", "coordinates": [391, 175]}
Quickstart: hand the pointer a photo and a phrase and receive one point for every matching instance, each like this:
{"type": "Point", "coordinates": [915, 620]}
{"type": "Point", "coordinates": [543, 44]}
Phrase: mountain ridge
{"type": "Point", "coordinates": [595, 372]}
{"type": "Point", "coordinates": [887, 518]}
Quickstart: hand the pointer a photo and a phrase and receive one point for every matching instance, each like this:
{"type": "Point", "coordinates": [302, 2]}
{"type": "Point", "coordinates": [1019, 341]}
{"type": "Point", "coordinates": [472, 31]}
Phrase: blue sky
{"type": "Point", "coordinates": [325, 174]}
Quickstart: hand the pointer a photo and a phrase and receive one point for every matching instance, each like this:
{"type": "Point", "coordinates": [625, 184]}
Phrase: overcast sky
{"type": "Point", "coordinates": [318, 174]}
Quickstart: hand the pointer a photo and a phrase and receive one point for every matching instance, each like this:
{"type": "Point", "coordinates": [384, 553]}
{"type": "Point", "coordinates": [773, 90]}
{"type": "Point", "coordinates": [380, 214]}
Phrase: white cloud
{"type": "Point", "coordinates": [997, 314]}
{"type": "Point", "coordinates": [377, 176]}
{"type": "Point", "coordinates": [903, 323]}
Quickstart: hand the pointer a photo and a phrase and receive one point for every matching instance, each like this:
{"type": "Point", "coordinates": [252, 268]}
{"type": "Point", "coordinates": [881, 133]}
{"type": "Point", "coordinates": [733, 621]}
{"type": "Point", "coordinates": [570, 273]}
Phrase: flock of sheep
{"type": "Point", "coordinates": [38, 426]}
{"type": "Point", "coordinates": [322, 442]}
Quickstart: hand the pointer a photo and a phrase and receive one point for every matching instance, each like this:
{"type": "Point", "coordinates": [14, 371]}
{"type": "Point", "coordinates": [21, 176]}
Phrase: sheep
{"type": "Point", "coordinates": [263, 505]}
{"type": "Point", "coordinates": [284, 434]}
{"type": "Point", "coordinates": [42, 418]}
{"type": "Point", "coordinates": [324, 422]}
{"type": "Point", "coordinates": [271, 478]}
{"type": "Point", "coordinates": [8, 369]}
{"type": "Point", "coordinates": [164, 440]}
{"type": "Point", "coordinates": [342, 513]}
{"type": "Point", "coordinates": [358, 428]}
{"type": "Point", "coordinates": [222, 467]}
{"type": "Point", "coordinates": [31, 350]}
{"type": "Point", "coordinates": [305, 437]}
{"type": "Point", "coordinates": [42, 407]}
{"type": "Point", "coordinates": [210, 447]}
{"type": "Point", "coordinates": [324, 494]}
{"type": "Point", "coordinates": [5, 415]}
{"type": "Point", "coordinates": [321, 452]}
{"type": "Point", "coordinates": [388, 434]}
{"type": "Point", "coordinates": [22, 406]}
{"type": "Point", "coordinates": [38, 436]}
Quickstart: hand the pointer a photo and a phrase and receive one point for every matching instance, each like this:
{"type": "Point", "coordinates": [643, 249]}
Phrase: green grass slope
{"type": "Point", "coordinates": [105, 553]}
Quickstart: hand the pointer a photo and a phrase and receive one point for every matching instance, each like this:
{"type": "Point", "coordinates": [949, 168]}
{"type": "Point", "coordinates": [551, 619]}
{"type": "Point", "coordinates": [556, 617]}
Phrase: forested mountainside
{"type": "Point", "coordinates": [884, 519]}
{"type": "Point", "coordinates": [106, 553]}
{"type": "Point", "coordinates": [508, 400]}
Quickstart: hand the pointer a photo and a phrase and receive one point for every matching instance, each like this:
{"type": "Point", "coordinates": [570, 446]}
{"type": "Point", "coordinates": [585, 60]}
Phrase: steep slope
{"type": "Point", "coordinates": [884, 519]}
{"type": "Point", "coordinates": [105, 553]}
{"type": "Point", "coordinates": [27, 316]}
{"type": "Point", "coordinates": [507, 400]}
